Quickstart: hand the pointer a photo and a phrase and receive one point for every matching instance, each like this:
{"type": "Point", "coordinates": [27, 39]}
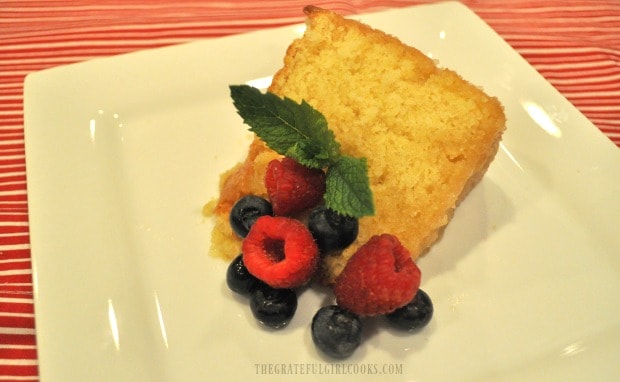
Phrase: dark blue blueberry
{"type": "Point", "coordinates": [273, 307]}
{"type": "Point", "coordinates": [245, 212]}
{"type": "Point", "coordinates": [331, 230]}
{"type": "Point", "coordinates": [415, 315]}
{"type": "Point", "coordinates": [336, 331]}
{"type": "Point", "coordinates": [238, 278]}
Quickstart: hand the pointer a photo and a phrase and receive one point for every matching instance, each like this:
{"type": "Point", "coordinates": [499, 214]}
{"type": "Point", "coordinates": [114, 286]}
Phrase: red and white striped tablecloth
{"type": "Point", "coordinates": [574, 44]}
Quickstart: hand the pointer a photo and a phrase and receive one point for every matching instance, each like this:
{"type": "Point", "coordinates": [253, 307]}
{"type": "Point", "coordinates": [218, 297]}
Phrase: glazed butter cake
{"type": "Point", "coordinates": [428, 134]}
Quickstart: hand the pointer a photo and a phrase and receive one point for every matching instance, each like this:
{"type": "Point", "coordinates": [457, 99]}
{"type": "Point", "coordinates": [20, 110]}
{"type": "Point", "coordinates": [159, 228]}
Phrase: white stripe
{"type": "Point", "coordinates": [26, 331]}
{"type": "Point", "coordinates": [570, 94]}
{"type": "Point", "coordinates": [13, 192]}
{"type": "Point", "coordinates": [9, 135]}
{"type": "Point", "coordinates": [569, 21]}
{"type": "Point", "coordinates": [573, 65]}
{"type": "Point", "coordinates": [16, 73]}
{"type": "Point", "coordinates": [134, 33]}
{"type": "Point", "coordinates": [174, 6]}
{"type": "Point", "coordinates": [10, 314]}
{"type": "Point", "coordinates": [17, 223]}
{"type": "Point", "coordinates": [604, 66]}
{"type": "Point", "coordinates": [12, 120]}
{"type": "Point", "coordinates": [16, 300]}
{"type": "Point", "coordinates": [532, 8]}
{"type": "Point", "coordinates": [12, 173]}
{"type": "Point", "coordinates": [17, 347]}
{"type": "Point", "coordinates": [15, 204]}
{"type": "Point", "coordinates": [16, 272]}
{"type": "Point", "coordinates": [11, 112]}
{"type": "Point", "coordinates": [21, 284]}
{"type": "Point", "coordinates": [589, 108]}
{"type": "Point", "coordinates": [609, 125]}
{"type": "Point", "coordinates": [521, 36]}
{"type": "Point", "coordinates": [20, 378]}
{"type": "Point", "coordinates": [82, 8]}
{"type": "Point", "coordinates": [8, 102]}
{"type": "Point", "coordinates": [16, 260]}
{"type": "Point", "coordinates": [12, 156]}
{"type": "Point", "coordinates": [51, 47]}
{"type": "Point", "coordinates": [574, 28]}
{"type": "Point", "coordinates": [18, 234]}
{"type": "Point", "coordinates": [569, 51]}
{"type": "Point", "coordinates": [11, 141]}
{"type": "Point", "coordinates": [178, 23]}
{"type": "Point", "coordinates": [19, 362]}
{"type": "Point", "coordinates": [585, 84]}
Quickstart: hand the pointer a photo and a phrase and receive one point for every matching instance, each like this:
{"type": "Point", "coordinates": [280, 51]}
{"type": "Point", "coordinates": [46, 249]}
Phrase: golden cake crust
{"type": "Point", "coordinates": [428, 135]}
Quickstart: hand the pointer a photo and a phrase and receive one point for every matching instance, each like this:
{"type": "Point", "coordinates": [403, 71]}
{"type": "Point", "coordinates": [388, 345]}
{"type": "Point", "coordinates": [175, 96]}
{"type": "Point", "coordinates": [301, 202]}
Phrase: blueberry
{"type": "Point", "coordinates": [331, 230]}
{"type": "Point", "coordinates": [414, 315]}
{"type": "Point", "coordinates": [273, 307]}
{"type": "Point", "coordinates": [238, 278]}
{"type": "Point", "coordinates": [336, 331]}
{"type": "Point", "coordinates": [245, 212]}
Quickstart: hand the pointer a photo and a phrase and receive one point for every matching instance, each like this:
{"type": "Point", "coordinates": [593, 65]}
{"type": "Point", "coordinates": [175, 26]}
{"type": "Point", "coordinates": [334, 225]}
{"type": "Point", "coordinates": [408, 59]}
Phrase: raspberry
{"type": "Point", "coordinates": [280, 251]}
{"type": "Point", "coordinates": [292, 187]}
{"type": "Point", "coordinates": [379, 278]}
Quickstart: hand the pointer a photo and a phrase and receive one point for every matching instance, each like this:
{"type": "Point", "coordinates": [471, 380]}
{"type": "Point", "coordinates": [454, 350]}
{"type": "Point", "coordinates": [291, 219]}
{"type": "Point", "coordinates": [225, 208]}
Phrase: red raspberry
{"type": "Point", "coordinates": [379, 278]}
{"type": "Point", "coordinates": [280, 251]}
{"type": "Point", "coordinates": [292, 187]}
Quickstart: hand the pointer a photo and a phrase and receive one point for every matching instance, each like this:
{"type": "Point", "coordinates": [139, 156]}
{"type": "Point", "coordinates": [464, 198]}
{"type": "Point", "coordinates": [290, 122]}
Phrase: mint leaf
{"type": "Point", "coordinates": [292, 129]}
{"type": "Point", "coordinates": [300, 132]}
{"type": "Point", "coordinates": [348, 188]}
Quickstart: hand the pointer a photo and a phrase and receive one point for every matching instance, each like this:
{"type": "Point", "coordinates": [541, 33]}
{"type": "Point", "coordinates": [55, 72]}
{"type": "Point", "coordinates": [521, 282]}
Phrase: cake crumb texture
{"type": "Point", "coordinates": [428, 134]}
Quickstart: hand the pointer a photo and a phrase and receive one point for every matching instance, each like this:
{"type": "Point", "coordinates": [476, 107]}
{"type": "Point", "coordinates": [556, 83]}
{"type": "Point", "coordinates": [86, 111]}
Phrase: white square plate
{"type": "Point", "coordinates": [123, 152]}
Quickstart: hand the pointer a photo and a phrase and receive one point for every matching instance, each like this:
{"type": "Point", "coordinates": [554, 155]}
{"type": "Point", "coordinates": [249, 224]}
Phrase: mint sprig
{"type": "Point", "coordinates": [299, 131]}
{"type": "Point", "coordinates": [291, 129]}
{"type": "Point", "coordinates": [348, 187]}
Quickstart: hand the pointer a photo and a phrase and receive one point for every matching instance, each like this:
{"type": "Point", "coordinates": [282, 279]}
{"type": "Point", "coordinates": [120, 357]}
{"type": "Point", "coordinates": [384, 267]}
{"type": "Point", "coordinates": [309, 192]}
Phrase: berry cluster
{"type": "Point", "coordinates": [280, 254]}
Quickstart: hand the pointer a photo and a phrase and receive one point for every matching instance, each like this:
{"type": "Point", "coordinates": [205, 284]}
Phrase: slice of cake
{"type": "Point", "coordinates": [428, 134]}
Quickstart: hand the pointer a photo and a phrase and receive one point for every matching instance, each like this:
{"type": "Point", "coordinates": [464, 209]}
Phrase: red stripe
{"type": "Point", "coordinates": [16, 307]}
{"type": "Point", "coordinates": [15, 294]}
{"type": "Point", "coordinates": [21, 322]}
{"type": "Point", "coordinates": [13, 178]}
{"type": "Point", "coordinates": [14, 198]}
{"type": "Point", "coordinates": [17, 339]}
{"type": "Point", "coordinates": [12, 229]}
{"type": "Point", "coordinates": [15, 265]}
{"type": "Point", "coordinates": [12, 218]}
{"type": "Point", "coordinates": [11, 146]}
{"type": "Point", "coordinates": [14, 168]}
{"type": "Point", "coordinates": [17, 279]}
{"type": "Point", "coordinates": [14, 207]}
{"type": "Point", "coordinates": [15, 254]}
{"type": "Point", "coordinates": [17, 239]}
{"type": "Point", "coordinates": [12, 131]}
{"type": "Point", "coordinates": [18, 353]}
{"type": "Point", "coordinates": [5, 162]}
{"type": "Point", "coordinates": [11, 136]}
{"type": "Point", "coordinates": [16, 291]}
{"type": "Point", "coordinates": [12, 122]}
{"type": "Point", "coordinates": [19, 370]}
{"type": "Point", "coordinates": [12, 187]}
